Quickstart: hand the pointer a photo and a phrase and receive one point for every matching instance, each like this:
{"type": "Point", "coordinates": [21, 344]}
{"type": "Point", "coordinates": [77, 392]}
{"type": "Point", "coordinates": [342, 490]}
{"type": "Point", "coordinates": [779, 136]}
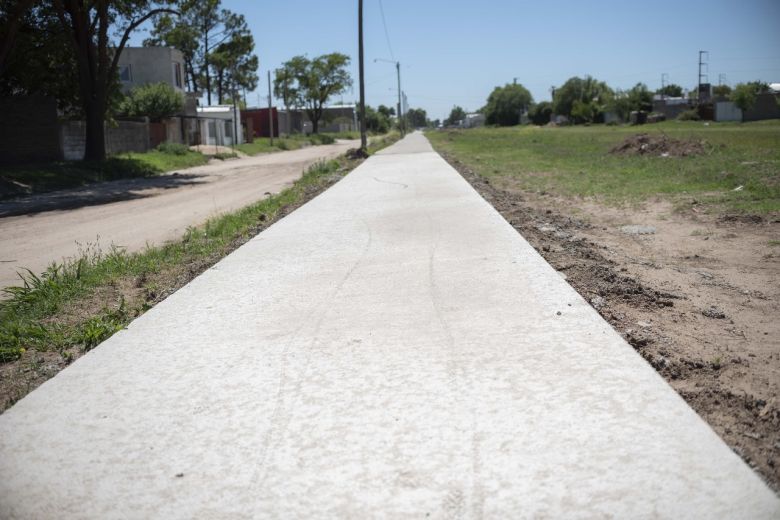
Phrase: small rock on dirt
{"type": "Point", "coordinates": [714, 312]}
{"type": "Point", "coordinates": [638, 230]}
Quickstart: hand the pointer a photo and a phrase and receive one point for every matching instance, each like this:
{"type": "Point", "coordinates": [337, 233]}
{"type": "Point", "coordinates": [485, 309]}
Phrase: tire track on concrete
{"type": "Point", "coordinates": [454, 501]}
{"type": "Point", "coordinates": [281, 417]}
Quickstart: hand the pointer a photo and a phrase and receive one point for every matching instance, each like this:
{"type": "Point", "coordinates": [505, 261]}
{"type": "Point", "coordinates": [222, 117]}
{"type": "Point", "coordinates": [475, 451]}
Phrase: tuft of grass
{"type": "Point", "coordinates": [575, 161]}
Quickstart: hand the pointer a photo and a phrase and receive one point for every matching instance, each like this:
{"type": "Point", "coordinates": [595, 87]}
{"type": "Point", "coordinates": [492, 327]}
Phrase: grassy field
{"type": "Point", "coordinates": [575, 161]}
{"type": "Point", "coordinates": [39, 178]}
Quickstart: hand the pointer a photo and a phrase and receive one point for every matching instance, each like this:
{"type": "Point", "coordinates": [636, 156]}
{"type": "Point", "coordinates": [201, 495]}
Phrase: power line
{"type": "Point", "coordinates": [387, 35]}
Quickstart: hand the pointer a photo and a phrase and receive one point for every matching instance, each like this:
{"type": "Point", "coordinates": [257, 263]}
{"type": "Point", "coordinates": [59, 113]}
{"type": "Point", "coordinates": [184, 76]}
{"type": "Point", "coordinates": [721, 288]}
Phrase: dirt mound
{"type": "Point", "coordinates": [660, 145]}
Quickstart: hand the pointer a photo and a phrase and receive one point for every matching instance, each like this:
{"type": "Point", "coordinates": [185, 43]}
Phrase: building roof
{"type": "Point", "coordinates": [215, 109]}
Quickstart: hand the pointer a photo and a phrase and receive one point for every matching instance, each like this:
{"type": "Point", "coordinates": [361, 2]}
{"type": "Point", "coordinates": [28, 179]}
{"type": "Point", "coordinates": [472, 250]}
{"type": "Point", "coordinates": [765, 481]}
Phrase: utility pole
{"type": "Point", "coordinates": [270, 110]}
{"type": "Point", "coordinates": [702, 75]}
{"type": "Point", "coordinates": [401, 124]}
{"type": "Point", "coordinates": [363, 140]}
{"type": "Point", "coordinates": [664, 78]}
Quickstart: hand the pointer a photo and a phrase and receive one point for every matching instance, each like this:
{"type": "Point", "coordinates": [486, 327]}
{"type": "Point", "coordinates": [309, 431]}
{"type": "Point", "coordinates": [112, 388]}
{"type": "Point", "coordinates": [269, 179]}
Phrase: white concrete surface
{"type": "Point", "coordinates": [392, 349]}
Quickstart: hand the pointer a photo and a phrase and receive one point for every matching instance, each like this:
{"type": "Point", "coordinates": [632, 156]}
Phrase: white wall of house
{"type": "Point", "coordinates": [218, 125]}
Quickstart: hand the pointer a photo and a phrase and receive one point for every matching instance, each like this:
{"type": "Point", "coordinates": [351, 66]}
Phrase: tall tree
{"type": "Point", "coordinates": [12, 14]}
{"type": "Point", "coordinates": [456, 114]}
{"type": "Point", "coordinates": [593, 95]}
{"type": "Point", "coordinates": [235, 67]}
{"type": "Point", "coordinates": [417, 117]}
{"type": "Point", "coordinates": [216, 43]}
{"type": "Point", "coordinates": [670, 90]}
{"type": "Point", "coordinates": [315, 81]}
{"type": "Point", "coordinates": [87, 25]}
{"type": "Point", "coordinates": [505, 104]}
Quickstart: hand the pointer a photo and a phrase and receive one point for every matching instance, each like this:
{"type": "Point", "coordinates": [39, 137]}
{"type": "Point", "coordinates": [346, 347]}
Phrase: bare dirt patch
{"type": "Point", "coordinates": [697, 295]}
{"type": "Point", "coordinates": [660, 145]}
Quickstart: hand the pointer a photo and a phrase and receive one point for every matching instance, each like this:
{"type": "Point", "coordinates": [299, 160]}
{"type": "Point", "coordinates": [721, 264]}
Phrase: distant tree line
{"type": "Point", "coordinates": [587, 100]}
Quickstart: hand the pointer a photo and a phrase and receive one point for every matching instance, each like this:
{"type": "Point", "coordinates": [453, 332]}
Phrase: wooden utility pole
{"type": "Point", "coordinates": [270, 110]}
{"type": "Point", "coordinates": [363, 140]}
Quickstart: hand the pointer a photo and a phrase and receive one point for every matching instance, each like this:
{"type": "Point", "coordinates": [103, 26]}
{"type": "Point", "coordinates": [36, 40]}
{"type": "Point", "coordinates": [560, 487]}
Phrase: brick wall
{"type": "Point", "coordinates": [29, 131]}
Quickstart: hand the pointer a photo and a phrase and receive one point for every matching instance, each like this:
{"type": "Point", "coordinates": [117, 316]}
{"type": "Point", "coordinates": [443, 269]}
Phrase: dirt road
{"type": "Point", "coordinates": [39, 230]}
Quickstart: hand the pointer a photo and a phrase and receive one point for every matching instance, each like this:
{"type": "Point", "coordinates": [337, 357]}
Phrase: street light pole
{"type": "Point", "coordinates": [401, 124]}
{"type": "Point", "coordinates": [363, 140]}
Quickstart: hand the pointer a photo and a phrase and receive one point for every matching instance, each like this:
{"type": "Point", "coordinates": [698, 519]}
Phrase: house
{"type": "Point", "coordinates": [218, 124]}
{"type": "Point", "coordinates": [144, 65]}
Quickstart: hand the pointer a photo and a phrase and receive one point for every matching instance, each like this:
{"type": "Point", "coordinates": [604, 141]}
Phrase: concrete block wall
{"type": "Point", "coordinates": [127, 136]}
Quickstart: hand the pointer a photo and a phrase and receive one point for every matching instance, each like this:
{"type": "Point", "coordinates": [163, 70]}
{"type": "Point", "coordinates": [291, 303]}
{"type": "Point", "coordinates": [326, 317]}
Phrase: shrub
{"type": "Point", "coordinates": [689, 115]}
{"type": "Point", "coordinates": [322, 139]}
{"type": "Point", "coordinates": [173, 148]}
{"type": "Point", "coordinates": [156, 101]}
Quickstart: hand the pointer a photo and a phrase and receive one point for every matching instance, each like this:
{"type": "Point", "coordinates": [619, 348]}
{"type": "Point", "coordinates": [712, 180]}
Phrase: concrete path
{"type": "Point", "coordinates": [392, 349]}
{"type": "Point", "coordinates": [38, 230]}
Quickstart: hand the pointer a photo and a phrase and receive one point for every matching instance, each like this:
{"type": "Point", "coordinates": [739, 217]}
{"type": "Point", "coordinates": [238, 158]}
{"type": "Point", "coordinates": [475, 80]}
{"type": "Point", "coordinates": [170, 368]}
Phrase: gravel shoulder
{"type": "Point", "coordinates": [697, 295]}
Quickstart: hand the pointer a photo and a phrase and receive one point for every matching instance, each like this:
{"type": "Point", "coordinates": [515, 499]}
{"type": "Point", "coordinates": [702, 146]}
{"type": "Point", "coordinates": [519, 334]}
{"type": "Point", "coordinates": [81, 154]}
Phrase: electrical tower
{"type": "Point", "coordinates": [664, 79]}
{"type": "Point", "coordinates": [704, 68]}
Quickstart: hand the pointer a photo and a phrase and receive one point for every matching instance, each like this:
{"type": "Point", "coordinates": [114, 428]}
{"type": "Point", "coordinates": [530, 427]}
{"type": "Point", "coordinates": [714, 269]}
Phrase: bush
{"type": "Point", "coordinates": [322, 139]}
{"type": "Point", "coordinates": [689, 115]}
{"type": "Point", "coordinates": [173, 148]}
{"type": "Point", "coordinates": [156, 101]}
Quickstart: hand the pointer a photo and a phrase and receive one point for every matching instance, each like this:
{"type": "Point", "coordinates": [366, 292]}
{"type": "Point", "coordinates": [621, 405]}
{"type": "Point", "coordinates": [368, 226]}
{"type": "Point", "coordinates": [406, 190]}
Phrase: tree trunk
{"type": "Point", "coordinates": [95, 149]}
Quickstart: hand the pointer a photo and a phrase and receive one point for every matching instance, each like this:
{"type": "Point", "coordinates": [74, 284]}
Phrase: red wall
{"type": "Point", "coordinates": [259, 117]}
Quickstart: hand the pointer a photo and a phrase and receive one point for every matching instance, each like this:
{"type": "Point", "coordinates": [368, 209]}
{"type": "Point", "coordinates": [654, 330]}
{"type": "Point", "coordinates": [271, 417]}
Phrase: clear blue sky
{"type": "Point", "coordinates": [455, 52]}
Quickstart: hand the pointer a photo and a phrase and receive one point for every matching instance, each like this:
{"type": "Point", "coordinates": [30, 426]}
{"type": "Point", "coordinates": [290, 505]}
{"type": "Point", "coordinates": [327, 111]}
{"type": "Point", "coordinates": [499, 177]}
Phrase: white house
{"type": "Point", "coordinates": [218, 124]}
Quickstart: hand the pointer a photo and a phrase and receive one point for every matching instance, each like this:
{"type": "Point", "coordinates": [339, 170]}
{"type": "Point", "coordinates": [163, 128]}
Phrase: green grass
{"type": "Point", "coordinates": [44, 177]}
{"type": "Point", "coordinates": [575, 161]}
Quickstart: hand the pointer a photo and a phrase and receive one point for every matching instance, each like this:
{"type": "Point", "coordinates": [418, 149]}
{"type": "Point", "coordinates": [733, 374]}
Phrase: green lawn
{"type": "Point", "coordinates": [39, 178]}
{"type": "Point", "coordinates": [575, 161]}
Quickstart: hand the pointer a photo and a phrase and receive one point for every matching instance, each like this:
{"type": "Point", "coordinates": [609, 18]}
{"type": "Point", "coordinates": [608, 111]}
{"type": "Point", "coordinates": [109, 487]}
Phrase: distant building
{"type": "Point", "coordinates": [219, 124]}
{"type": "Point", "coordinates": [473, 120]}
{"type": "Point", "coordinates": [144, 65]}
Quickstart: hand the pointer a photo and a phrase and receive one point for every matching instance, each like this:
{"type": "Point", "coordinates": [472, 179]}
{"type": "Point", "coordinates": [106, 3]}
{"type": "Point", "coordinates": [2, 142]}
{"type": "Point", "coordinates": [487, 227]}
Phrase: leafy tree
{"type": "Point", "coordinates": [670, 90]}
{"type": "Point", "coordinates": [387, 111]}
{"type": "Point", "coordinates": [216, 43]}
{"type": "Point", "coordinates": [540, 113]}
{"type": "Point", "coordinates": [417, 117]}
{"type": "Point", "coordinates": [377, 121]}
{"type": "Point", "coordinates": [156, 101]}
{"type": "Point", "coordinates": [12, 17]}
{"type": "Point", "coordinates": [456, 114]}
{"type": "Point", "coordinates": [316, 80]}
{"type": "Point", "coordinates": [592, 94]}
{"type": "Point", "coordinates": [744, 94]}
{"type": "Point", "coordinates": [721, 91]}
{"type": "Point", "coordinates": [89, 26]}
{"type": "Point", "coordinates": [234, 64]}
{"type": "Point", "coordinates": [505, 104]}
{"type": "Point", "coordinates": [42, 61]}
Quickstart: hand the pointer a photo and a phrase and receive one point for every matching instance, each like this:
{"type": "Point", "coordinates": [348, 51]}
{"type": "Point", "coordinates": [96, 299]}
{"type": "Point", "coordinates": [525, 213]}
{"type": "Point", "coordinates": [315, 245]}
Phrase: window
{"type": "Point", "coordinates": [229, 128]}
{"type": "Point", "coordinates": [126, 73]}
{"type": "Point", "coordinates": [177, 75]}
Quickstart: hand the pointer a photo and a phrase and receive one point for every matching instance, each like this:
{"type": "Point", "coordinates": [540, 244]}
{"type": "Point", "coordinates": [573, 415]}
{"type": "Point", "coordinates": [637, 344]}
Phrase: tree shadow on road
{"type": "Point", "coordinates": [96, 194]}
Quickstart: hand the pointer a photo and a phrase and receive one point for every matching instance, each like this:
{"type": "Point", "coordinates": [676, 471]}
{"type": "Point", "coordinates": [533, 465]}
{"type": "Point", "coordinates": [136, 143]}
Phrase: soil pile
{"type": "Point", "coordinates": [660, 145]}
